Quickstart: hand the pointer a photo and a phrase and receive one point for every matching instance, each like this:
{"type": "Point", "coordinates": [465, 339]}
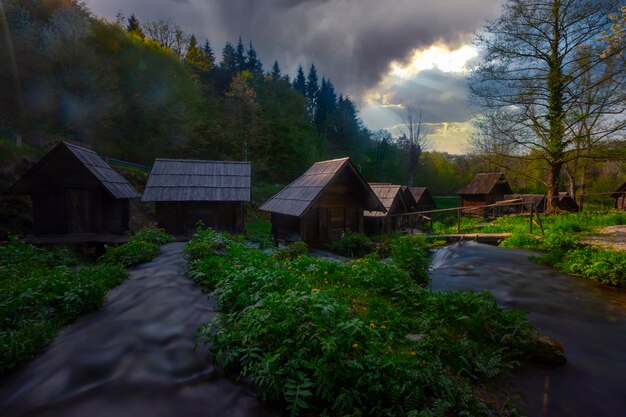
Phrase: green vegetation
{"type": "Point", "coordinates": [561, 243]}
{"type": "Point", "coordinates": [352, 244]}
{"type": "Point", "coordinates": [259, 231]}
{"type": "Point", "coordinates": [41, 291]}
{"type": "Point", "coordinates": [141, 247]}
{"type": "Point", "coordinates": [329, 338]}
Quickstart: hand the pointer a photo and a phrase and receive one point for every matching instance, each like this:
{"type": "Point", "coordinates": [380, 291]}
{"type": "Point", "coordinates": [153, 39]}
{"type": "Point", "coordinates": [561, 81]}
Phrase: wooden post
{"type": "Point", "coordinates": [531, 219]}
{"type": "Point", "coordinates": [458, 224]}
{"type": "Point", "coordinates": [540, 224]}
{"type": "Point", "coordinates": [411, 221]}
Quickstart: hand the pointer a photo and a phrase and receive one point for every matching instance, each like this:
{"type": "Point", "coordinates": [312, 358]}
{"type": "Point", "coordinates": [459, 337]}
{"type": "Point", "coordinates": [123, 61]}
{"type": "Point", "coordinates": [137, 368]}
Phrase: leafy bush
{"type": "Point", "coordinates": [352, 244]}
{"type": "Point", "coordinates": [40, 293]}
{"type": "Point", "coordinates": [292, 251]}
{"type": "Point", "coordinates": [604, 266]}
{"type": "Point", "coordinates": [410, 254]}
{"type": "Point", "coordinates": [142, 247]}
{"type": "Point", "coordinates": [153, 235]}
{"type": "Point", "coordinates": [327, 338]}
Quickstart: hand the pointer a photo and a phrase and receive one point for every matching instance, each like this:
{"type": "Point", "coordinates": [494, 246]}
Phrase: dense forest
{"type": "Point", "coordinates": [139, 90]}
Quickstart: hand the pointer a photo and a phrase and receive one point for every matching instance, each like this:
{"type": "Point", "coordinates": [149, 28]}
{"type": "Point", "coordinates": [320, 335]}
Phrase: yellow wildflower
{"type": "Point", "coordinates": [372, 325]}
{"type": "Point", "coordinates": [314, 290]}
{"type": "Point", "coordinates": [355, 345]}
{"type": "Point", "coordinates": [383, 327]}
{"type": "Point", "coordinates": [413, 353]}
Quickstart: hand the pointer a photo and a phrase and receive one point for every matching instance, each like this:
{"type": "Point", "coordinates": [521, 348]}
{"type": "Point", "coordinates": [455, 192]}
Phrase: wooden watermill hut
{"type": "Point", "coordinates": [186, 192]}
{"type": "Point", "coordinates": [567, 203]}
{"type": "Point", "coordinates": [620, 197]}
{"type": "Point", "coordinates": [322, 204]}
{"type": "Point", "coordinates": [423, 199]}
{"type": "Point", "coordinates": [76, 196]}
{"type": "Point", "coordinates": [523, 203]}
{"type": "Point", "coordinates": [393, 199]}
{"type": "Point", "coordinates": [485, 189]}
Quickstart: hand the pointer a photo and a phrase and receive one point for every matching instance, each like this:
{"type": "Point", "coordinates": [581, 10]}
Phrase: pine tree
{"type": "Point", "coordinates": [312, 89]}
{"type": "Point", "coordinates": [195, 58]}
{"type": "Point", "coordinates": [208, 52]}
{"type": "Point", "coordinates": [326, 107]}
{"type": "Point", "coordinates": [253, 63]}
{"type": "Point", "coordinates": [134, 27]}
{"type": "Point", "coordinates": [299, 83]}
{"type": "Point", "coordinates": [240, 56]}
{"type": "Point", "coordinates": [228, 63]}
{"type": "Point", "coordinates": [275, 75]}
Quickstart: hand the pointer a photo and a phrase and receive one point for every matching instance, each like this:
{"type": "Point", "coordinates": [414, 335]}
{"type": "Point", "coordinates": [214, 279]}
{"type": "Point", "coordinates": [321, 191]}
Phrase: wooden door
{"type": "Point", "coordinates": [78, 210]}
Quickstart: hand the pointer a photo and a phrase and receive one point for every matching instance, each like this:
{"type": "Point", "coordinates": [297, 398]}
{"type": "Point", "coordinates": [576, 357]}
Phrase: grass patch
{"type": "Point", "coordinates": [361, 338]}
{"type": "Point", "coordinates": [42, 291]}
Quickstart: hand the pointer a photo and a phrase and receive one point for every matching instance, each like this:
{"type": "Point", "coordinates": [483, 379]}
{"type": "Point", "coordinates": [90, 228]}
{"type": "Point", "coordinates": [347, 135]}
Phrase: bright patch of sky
{"type": "Point", "coordinates": [432, 80]}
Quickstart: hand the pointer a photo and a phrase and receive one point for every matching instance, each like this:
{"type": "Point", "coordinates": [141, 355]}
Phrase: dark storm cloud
{"type": "Point", "coordinates": [351, 41]}
{"type": "Point", "coordinates": [442, 96]}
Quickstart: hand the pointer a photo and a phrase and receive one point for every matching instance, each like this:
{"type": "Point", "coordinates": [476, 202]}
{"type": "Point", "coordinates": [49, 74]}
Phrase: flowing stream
{"type": "Point", "coordinates": [589, 319]}
{"type": "Point", "coordinates": [134, 357]}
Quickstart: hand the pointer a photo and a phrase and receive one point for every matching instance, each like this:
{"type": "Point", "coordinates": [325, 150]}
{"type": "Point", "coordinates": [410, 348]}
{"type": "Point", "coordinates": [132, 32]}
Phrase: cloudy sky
{"type": "Point", "coordinates": [386, 55]}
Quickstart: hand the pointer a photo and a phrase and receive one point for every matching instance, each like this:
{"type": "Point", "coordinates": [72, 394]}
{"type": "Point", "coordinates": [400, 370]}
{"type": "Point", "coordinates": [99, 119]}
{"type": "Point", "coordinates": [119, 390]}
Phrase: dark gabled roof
{"type": "Point", "coordinates": [388, 194]}
{"type": "Point", "coordinates": [197, 180]}
{"type": "Point", "coordinates": [620, 191]}
{"type": "Point", "coordinates": [110, 179]}
{"type": "Point", "coordinates": [299, 196]}
{"type": "Point", "coordinates": [484, 184]}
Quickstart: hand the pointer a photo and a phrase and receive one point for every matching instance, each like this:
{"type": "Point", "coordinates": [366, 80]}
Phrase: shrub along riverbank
{"type": "Point", "coordinates": [357, 338]}
{"type": "Point", "coordinates": [561, 244]}
{"type": "Point", "coordinates": [42, 291]}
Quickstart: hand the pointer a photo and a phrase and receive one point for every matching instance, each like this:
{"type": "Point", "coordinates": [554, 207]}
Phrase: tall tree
{"type": "Point", "coordinates": [168, 34]}
{"type": "Point", "coordinates": [228, 63]}
{"type": "Point", "coordinates": [133, 26]}
{"type": "Point", "coordinates": [326, 108]}
{"type": "Point", "coordinates": [241, 113]}
{"type": "Point", "coordinates": [312, 88]}
{"type": "Point", "coordinates": [208, 52]}
{"type": "Point", "coordinates": [415, 140]}
{"type": "Point", "coordinates": [299, 83]}
{"type": "Point", "coordinates": [532, 85]}
{"type": "Point", "coordinates": [275, 74]}
{"type": "Point", "coordinates": [195, 58]}
{"type": "Point", "coordinates": [240, 56]}
{"type": "Point", "coordinates": [253, 63]}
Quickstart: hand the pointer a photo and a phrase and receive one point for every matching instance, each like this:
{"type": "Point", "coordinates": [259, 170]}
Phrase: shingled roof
{"type": "Point", "coordinates": [299, 196]}
{"type": "Point", "coordinates": [484, 184]}
{"type": "Point", "coordinates": [198, 180]}
{"type": "Point", "coordinates": [110, 179]}
{"type": "Point", "coordinates": [387, 194]}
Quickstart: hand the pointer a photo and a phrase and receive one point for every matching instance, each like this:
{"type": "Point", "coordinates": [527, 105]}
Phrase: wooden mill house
{"type": "Point", "coordinates": [620, 197]}
{"type": "Point", "coordinates": [186, 192]}
{"type": "Point", "coordinates": [393, 199]}
{"type": "Point", "coordinates": [485, 189]}
{"type": "Point", "coordinates": [322, 204]}
{"type": "Point", "coordinates": [77, 197]}
{"type": "Point", "coordinates": [422, 199]}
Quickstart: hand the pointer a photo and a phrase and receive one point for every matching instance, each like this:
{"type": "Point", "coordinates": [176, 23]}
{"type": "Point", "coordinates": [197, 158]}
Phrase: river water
{"type": "Point", "coordinates": [589, 319]}
{"type": "Point", "coordinates": [134, 357]}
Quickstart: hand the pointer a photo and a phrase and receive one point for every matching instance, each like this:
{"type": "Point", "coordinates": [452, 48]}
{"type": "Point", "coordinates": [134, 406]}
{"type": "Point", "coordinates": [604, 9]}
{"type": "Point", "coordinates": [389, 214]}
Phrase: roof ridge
{"type": "Point", "coordinates": [202, 160]}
